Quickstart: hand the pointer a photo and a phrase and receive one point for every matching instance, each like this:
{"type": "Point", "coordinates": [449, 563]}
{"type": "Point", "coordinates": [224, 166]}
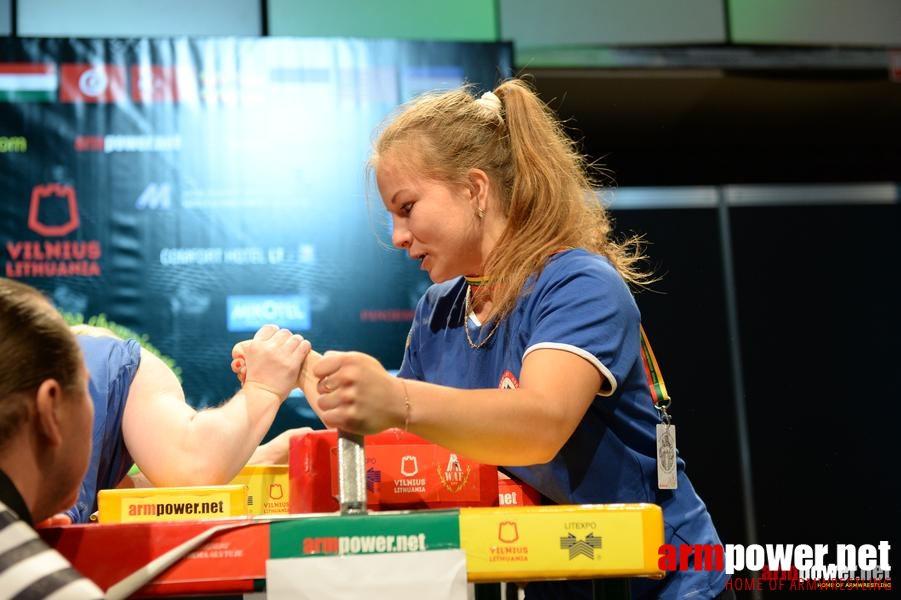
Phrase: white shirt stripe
{"type": "Point", "coordinates": [22, 574]}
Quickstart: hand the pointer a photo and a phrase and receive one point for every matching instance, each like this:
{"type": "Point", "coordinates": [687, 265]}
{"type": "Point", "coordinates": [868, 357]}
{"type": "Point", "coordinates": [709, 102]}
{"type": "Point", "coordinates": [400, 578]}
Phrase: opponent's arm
{"type": "Point", "coordinates": [174, 444]}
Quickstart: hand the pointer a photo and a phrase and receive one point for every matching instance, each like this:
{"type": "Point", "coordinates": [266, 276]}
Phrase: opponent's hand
{"type": "Point", "coordinates": [55, 521]}
{"type": "Point", "coordinates": [277, 451]}
{"type": "Point", "coordinates": [238, 364]}
{"type": "Point", "coordinates": [357, 394]}
{"type": "Point", "coordinates": [271, 360]}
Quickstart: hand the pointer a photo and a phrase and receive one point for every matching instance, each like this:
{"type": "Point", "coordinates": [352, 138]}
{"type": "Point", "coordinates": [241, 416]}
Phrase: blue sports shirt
{"type": "Point", "coordinates": [112, 365]}
{"type": "Point", "coordinates": [578, 304]}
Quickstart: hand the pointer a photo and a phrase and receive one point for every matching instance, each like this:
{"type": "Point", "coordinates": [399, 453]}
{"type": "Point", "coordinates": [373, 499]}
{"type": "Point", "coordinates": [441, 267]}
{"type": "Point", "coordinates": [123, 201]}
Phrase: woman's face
{"type": "Point", "coordinates": [435, 223]}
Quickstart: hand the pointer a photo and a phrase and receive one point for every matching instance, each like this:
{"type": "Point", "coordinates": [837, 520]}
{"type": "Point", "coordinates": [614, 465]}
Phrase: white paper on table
{"type": "Point", "coordinates": [432, 575]}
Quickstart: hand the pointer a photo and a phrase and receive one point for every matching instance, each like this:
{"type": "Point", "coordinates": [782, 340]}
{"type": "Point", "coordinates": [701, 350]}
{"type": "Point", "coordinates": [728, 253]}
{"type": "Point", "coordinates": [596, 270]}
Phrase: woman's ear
{"type": "Point", "coordinates": [478, 187]}
{"type": "Point", "coordinates": [47, 408]}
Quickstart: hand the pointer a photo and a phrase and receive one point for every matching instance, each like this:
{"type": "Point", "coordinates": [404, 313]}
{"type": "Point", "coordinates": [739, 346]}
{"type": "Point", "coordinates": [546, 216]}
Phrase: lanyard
{"type": "Point", "coordinates": [655, 378]}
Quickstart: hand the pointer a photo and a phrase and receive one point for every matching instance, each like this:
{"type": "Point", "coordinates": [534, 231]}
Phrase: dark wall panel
{"type": "Point", "coordinates": [685, 319]}
{"type": "Point", "coordinates": [818, 306]}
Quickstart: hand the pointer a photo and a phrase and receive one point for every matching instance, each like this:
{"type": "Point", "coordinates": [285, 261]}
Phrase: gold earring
{"type": "Point", "coordinates": [480, 212]}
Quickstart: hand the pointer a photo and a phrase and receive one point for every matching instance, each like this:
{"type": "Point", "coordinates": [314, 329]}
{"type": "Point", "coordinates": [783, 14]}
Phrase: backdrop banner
{"type": "Point", "coordinates": [192, 190]}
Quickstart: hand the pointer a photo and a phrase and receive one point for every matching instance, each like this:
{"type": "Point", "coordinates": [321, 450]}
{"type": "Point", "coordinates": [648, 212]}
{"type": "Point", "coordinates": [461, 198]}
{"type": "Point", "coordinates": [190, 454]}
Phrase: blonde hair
{"type": "Point", "coordinates": [544, 183]}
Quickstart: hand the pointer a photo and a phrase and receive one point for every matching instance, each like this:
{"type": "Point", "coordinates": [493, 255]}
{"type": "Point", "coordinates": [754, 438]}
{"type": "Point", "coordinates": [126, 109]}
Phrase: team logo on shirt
{"type": "Point", "coordinates": [508, 381]}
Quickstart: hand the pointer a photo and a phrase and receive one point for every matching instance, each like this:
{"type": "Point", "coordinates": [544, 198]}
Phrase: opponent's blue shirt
{"type": "Point", "coordinates": [578, 304]}
{"type": "Point", "coordinates": [112, 365]}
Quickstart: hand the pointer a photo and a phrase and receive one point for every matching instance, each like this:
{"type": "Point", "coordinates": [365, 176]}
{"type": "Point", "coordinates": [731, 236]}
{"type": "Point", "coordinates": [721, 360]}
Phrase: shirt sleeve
{"type": "Point", "coordinates": [580, 304]}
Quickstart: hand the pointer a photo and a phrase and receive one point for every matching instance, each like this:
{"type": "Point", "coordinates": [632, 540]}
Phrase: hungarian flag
{"type": "Point", "coordinates": [28, 82]}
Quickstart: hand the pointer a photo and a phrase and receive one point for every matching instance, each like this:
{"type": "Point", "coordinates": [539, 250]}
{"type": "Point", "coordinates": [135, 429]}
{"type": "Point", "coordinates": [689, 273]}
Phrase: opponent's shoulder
{"type": "Point", "coordinates": [109, 358]}
{"type": "Point", "coordinates": [108, 348]}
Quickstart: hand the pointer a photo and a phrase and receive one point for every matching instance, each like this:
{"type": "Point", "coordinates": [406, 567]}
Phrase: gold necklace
{"type": "Point", "coordinates": [466, 311]}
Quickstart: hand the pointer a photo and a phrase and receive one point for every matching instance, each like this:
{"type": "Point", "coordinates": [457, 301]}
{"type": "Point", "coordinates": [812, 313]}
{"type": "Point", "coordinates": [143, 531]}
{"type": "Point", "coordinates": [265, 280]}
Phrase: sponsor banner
{"type": "Point", "coordinates": [378, 533]}
{"type": "Point", "coordinates": [193, 189]}
{"type": "Point", "coordinates": [517, 543]}
{"type": "Point", "coordinates": [53, 214]}
{"type": "Point", "coordinates": [419, 475]}
{"type": "Point", "coordinates": [142, 505]}
{"type": "Point", "coordinates": [249, 313]}
{"type": "Point", "coordinates": [127, 143]}
{"type": "Point", "coordinates": [402, 471]}
{"type": "Point", "coordinates": [267, 488]}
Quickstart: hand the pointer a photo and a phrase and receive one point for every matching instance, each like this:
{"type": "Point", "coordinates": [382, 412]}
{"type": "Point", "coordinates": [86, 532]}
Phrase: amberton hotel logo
{"type": "Point", "coordinates": [53, 213]}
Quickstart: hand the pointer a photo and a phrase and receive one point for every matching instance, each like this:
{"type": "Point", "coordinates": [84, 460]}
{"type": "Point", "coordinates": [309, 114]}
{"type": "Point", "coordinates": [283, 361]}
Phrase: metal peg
{"type": "Point", "coordinates": [351, 474]}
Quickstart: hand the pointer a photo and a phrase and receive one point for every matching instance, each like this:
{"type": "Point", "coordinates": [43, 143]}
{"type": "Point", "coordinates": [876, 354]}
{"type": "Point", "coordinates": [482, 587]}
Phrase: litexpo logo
{"type": "Point", "coordinates": [786, 566]}
{"type": "Point", "coordinates": [53, 212]}
{"type": "Point", "coordinates": [373, 476]}
{"type": "Point", "coordinates": [584, 547]}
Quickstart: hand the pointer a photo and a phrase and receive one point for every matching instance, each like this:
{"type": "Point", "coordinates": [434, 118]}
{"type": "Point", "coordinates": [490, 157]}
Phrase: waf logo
{"type": "Point", "coordinates": [56, 194]}
{"type": "Point", "coordinates": [454, 477]}
{"type": "Point", "coordinates": [53, 213]}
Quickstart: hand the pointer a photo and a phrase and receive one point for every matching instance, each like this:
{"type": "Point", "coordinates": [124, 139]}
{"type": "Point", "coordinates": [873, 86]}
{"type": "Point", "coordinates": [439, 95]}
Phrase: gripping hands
{"type": "Point", "coordinates": [350, 391]}
{"type": "Point", "coordinates": [271, 360]}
